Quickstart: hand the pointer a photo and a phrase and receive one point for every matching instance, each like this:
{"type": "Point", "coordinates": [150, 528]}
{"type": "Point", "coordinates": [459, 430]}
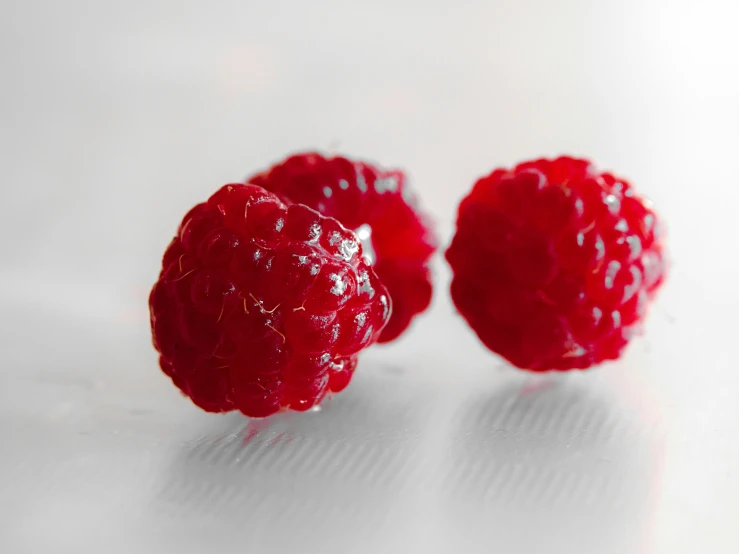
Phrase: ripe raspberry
{"type": "Point", "coordinates": [555, 263]}
{"type": "Point", "coordinates": [261, 307]}
{"type": "Point", "coordinates": [381, 207]}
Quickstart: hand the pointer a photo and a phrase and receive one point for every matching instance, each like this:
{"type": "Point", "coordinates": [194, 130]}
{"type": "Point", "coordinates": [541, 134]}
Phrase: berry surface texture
{"type": "Point", "coordinates": [262, 307]}
{"type": "Point", "coordinates": [555, 263]}
{"type": "Point", "coordinates": [381, 207]}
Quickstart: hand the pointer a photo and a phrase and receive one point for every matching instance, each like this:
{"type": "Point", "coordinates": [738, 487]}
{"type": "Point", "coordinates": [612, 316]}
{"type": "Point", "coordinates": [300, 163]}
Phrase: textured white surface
{"type": "Point", "coordinates": [118, 116]}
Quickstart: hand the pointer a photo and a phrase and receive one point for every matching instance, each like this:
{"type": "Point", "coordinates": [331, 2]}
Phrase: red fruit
{"type": "Point", "coordinates": [381, 207]}
{"type": "Point", "coordinates": [555, 263]}
{"type": "Point", "coordinates": [261, 307]}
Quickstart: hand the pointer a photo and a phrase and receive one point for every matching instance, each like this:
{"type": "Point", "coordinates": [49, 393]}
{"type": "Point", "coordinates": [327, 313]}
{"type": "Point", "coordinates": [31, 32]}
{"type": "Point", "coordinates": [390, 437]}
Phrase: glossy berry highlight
{"type": "Point", "coordinates": [555, 263]}
{"type": "Point", "coordinates": [262, 307]}
{"type": "Point", "coordinates": [381, 207]}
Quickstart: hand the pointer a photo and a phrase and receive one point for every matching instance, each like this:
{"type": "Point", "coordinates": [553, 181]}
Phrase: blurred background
{"type": "Point", "coordinates": [119, 116]}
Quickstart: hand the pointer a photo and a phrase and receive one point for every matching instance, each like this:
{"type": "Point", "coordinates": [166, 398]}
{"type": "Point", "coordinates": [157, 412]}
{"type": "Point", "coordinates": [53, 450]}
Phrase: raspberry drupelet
{"type": "Point", "coordinates": [555, 263]}
{"type": "Point", "coordinates": [262, 307]}
{"type": "Point", "coordinates": [381, 207]}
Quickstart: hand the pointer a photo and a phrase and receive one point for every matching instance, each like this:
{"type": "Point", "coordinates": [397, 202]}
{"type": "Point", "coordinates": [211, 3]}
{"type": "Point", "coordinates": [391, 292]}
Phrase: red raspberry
{"type": "Point", "coordinates": [555, 263]}
{"type": "Point", "coordinates": [378, 204]}
{"type": "Point", "coordinates": [261, 307]}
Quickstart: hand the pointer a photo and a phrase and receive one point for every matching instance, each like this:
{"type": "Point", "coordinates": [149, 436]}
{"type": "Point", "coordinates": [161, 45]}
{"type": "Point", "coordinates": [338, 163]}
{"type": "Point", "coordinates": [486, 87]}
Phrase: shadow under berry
{"type": "Point", "coordinates": [310, 481]}
{"type": "Point", "coordinates": [549, 465]}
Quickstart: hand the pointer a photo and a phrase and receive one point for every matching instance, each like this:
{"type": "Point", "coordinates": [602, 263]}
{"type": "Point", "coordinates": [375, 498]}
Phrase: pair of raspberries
{"type": "Point", "coordinates": [270, 289]}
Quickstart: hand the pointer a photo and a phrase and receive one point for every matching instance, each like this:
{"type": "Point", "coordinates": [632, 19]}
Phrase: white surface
{"type": "Point", "coordinates": [118, 116]}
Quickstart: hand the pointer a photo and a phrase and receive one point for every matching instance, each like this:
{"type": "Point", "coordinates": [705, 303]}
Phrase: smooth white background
{"type": "Point", "coordinates": [116, 117]}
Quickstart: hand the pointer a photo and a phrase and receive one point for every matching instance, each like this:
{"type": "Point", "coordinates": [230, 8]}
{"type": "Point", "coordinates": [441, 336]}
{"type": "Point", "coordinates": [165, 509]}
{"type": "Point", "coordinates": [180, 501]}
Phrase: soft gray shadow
{"type": "Point", "coordinates": [547, 465]}
{"type": "Point", "coordinates": [300, 482]}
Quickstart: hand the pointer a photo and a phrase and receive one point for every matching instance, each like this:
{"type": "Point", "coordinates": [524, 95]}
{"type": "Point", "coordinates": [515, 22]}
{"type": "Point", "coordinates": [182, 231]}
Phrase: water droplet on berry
{"type": "Point", "coordinates": [612, 203]}
{"type": "Point", "coordinates": [386, 184]}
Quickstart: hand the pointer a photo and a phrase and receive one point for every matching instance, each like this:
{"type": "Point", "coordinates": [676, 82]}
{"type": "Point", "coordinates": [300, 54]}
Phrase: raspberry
{"type": "Point", "coordinates": [382, 208]}
{"type": "Point", "coordinates": [555, 263]}
{"type": "Point", "coordinates": [261, 307]}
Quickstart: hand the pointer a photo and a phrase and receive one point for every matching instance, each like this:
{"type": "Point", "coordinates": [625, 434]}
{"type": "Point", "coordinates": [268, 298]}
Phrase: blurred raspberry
{"type": "Point", "coordinates": [381, 207]}
{"type": "Point", "coordinates": [555, 263]}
